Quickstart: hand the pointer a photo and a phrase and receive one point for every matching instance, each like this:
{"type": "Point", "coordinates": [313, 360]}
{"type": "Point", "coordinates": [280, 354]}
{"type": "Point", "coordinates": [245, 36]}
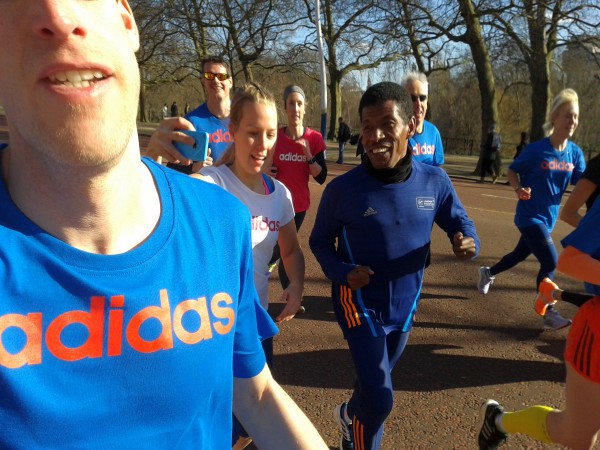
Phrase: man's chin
{"type": "Point", "coordinates": [379, 162]}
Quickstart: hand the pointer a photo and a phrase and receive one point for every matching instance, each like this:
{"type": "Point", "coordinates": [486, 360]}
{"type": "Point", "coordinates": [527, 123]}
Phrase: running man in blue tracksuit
{"type": "Point", "coordinates": [381, 214]}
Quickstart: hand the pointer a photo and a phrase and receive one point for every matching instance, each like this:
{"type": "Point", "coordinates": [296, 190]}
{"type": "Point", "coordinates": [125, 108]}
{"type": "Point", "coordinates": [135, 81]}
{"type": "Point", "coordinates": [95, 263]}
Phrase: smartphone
{"type": "Point", "coordinates": [196, 152]}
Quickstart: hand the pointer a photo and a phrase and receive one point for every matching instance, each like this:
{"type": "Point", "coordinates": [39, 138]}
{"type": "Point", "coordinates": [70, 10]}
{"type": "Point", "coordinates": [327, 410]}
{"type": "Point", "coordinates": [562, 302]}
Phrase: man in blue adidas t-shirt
{"type": "Point", "coordinates": [426, 143]}
{"type": "Point", "coordinates": [114, 331]}
{"type": "Point", "coordinates": [211, 116]}
{"type": "Point", "coordinates": [380, 214]}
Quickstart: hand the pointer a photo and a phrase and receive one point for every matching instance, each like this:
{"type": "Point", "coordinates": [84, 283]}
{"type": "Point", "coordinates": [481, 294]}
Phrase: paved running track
{"type": "Point", "coordinates": [463, 349]}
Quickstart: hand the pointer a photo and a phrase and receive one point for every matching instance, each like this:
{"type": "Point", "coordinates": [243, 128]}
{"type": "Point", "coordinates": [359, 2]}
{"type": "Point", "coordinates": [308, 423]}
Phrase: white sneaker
{"type": "Point", "coordinates": [554, 321]}
{"type": "Point", "coordinates": [346, 435]}
{"type": "Point", "coordinates": [485, 280]}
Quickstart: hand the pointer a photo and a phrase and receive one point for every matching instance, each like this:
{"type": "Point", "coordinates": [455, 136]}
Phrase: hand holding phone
{"type": "Point", "coordinates": [196, 152]}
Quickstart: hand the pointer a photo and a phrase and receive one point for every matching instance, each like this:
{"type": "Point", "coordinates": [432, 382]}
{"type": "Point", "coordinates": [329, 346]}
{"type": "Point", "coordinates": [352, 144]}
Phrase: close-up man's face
{"type": "Point", "coordinates": [384, 134]}
{"type": "Point", "coordinates": [69, 77]}
{"type": "Point", "coordinates": [419, 93]}
{"type": "Point", "coordinates": [216, 88]}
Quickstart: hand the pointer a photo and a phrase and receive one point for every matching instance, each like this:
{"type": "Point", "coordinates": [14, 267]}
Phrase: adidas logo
{"type": "Point", "coordinates": [369, 212]}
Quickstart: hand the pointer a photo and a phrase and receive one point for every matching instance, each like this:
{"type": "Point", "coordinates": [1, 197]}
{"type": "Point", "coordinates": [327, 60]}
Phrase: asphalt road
{"type": "Point", "coordinates": [464, 347]}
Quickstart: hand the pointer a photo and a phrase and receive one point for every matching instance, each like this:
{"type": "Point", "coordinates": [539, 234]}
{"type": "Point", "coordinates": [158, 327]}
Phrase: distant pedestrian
{"type": "Point", "coordinates": [491, 152]}
{"type": "Point", "coordinates": [521, 144]}
{"type": "Point", "coordinates": [360, 149]}
{"type": "Point", "coordinates": [540, 176]}
{"type": "Point", "coordinates": [174, 110]}
{"type": "Point", "coordinates": [343, 136]}
{"type": "Point", "coordinates": [186, 110]}
{"type": "Point", "coordinates": [165, 111]}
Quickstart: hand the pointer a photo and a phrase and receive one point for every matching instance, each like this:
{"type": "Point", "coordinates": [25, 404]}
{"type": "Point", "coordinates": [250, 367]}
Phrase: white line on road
{"type": "Point", "coordinates": [511, 213]}
{"type": "Point", "coordinates": [498, 196]}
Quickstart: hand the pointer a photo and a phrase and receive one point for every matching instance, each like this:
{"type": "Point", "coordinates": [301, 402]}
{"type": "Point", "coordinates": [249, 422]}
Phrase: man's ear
{"type": "Point", "coordinates": [412, 126]}
{"type": "Point", "coordinates": [130, 25]}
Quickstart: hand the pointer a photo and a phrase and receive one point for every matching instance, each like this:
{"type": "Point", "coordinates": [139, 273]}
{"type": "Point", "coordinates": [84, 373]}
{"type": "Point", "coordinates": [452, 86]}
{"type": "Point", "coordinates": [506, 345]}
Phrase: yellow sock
{"type": "Point", "coordinates": [530, 421]}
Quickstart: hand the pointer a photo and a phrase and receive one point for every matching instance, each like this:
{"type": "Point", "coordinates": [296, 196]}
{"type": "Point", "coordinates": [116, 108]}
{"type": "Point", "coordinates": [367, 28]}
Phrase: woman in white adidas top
{"type": "Point", "coordinates": [253, 125]}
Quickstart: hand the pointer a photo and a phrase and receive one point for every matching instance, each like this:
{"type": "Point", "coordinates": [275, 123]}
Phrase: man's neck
{"type": "Point", "coordinates": [219, 108]}
{"type": "Point", "coordinates": [103, 211]}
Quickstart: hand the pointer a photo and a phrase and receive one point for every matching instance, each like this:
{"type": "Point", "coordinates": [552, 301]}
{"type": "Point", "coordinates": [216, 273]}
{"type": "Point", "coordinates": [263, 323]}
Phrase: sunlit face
{"type": "Point", "coordinates": [295, 109]}
{"type": "Point", "coordinates": [216, 89]}
{"type": "Point", "coordinates": [419, 93]}
{"type": "Point", "coordinates": [69, 80]}
{"type": "Point", "coordinates": [384, 134]}
{"type": "Point", "coordinates": [254, 138]}
{"type": "Point", "coordinates": [565, 120]}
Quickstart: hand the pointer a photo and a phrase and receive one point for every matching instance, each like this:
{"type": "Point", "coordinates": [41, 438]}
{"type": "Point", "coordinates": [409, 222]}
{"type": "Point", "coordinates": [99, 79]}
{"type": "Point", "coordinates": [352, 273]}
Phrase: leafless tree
{"type": "Point", "coordinates": [356, 37]}
{"type": "Point", "coordinates": [538, 28]}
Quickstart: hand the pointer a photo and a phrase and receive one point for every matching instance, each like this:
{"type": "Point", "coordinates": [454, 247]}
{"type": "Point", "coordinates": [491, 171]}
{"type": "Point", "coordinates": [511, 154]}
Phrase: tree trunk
{"type": "Point", "coordinates": [142, 97]}
{"type": "Point", "coordinates": [335, 97]}
{"type": "Point", "coordinates": [483, 67]}
{"type": "Point", "coordinates": [539, 72]}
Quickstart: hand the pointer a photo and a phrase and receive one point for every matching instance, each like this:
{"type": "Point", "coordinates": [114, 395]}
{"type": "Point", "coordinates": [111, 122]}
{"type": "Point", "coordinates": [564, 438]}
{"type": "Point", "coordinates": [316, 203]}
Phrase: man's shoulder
{"type": "Point", "coordinates": [353, 178]}
{"type": "Point", "coordinates": [427, 170]}
{"type": "Point", "coordinates": [430, 127]}
{"type": "Point", "coordinates": [201, 112]}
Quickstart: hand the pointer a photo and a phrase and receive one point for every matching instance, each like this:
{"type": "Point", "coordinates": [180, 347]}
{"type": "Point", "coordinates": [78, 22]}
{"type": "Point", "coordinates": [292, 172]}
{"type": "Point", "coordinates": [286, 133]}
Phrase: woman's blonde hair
{"type": "Point", "coordinates": [249, 92]}
{"type": "Point", "coordinates": [564, 97]}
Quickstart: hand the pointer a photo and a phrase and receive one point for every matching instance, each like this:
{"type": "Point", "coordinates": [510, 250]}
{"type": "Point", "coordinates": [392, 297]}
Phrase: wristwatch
{"type": "Point", "coordinates": [312, 160]}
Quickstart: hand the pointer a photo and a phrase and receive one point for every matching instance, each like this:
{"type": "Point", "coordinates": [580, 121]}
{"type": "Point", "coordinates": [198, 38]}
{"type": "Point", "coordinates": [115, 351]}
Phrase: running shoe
{"type": "Point", "coordinates": [346, 438]}
{"type": "Point", "coordinates": [544, 297]}
{"type": "Point", "coordinates": [554, 321]}
{"type": "Point", "coordinates": [490, 438]}
{"type": "Point", "coordinates": [485, 280]}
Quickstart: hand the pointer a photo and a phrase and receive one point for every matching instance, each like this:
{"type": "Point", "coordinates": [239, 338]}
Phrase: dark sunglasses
{"type": "Point", "coordinates": [422, 98]}
{"type": "Point", "coordinates": [219, 76]}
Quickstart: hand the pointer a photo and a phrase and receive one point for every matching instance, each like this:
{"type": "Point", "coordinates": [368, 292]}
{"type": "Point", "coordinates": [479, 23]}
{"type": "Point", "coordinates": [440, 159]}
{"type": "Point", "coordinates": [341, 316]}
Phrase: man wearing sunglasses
{"type": "Point", "coordinates": [426, 143]}
{"type": "Point", "coordinates": [211, 116]}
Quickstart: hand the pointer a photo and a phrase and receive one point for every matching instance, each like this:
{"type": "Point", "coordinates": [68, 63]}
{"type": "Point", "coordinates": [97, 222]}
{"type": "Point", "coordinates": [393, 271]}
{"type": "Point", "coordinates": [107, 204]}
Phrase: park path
{"type": "Point", "coordinates": [464, 347]}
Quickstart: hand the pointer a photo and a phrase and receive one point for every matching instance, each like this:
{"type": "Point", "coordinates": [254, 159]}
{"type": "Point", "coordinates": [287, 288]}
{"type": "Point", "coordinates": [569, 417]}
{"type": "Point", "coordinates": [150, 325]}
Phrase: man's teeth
{"type": "Point", "coordinates": [380, 150]}
{"type": "Point", "coordinates": [76, 78]}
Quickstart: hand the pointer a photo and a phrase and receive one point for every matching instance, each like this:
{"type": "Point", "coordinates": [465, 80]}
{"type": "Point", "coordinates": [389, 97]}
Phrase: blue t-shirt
{"type": "Point", "coordinates": [586, 238]}
{"type": "Point", "coordinates": [388, 228]}
{"type": "Point", "coordinates": [217, 129]}
{"type": "Point", "coordinates": [135, 350]}
{"type": "Point", "coordinates": [427, 145]}
{"type": "Point", "coordinates": [547, 172]}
